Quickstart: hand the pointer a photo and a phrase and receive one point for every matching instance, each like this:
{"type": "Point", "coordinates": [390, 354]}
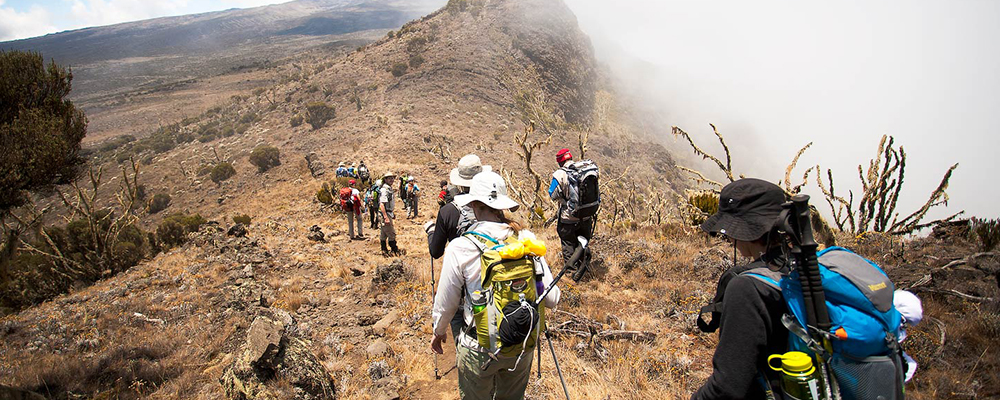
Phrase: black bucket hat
{"type": "Point", "coordinates": [748, 209]}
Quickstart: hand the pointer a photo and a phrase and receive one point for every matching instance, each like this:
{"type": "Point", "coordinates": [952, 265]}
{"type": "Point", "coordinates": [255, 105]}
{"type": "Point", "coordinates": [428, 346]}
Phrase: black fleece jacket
{"type": "Point", "coordinates": [750, 331]}
{"type": "Point", "coordinates": [445, 229]}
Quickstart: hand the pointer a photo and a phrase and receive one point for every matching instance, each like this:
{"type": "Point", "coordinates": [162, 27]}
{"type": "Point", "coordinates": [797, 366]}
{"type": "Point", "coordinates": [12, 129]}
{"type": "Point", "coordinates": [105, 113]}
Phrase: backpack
{"type": "Point", "coordinates": [347, 199]}
{"type": "Point", "coordinates": [584, 194]}
{"type": "Point", "coordinates": [466, 219]}
{"type": "Point", "coordinates": [363, 173]}
{"type": "Point", "coordinates": [510, 282]}
{"type": "Point", "coordinates": [864, 324]}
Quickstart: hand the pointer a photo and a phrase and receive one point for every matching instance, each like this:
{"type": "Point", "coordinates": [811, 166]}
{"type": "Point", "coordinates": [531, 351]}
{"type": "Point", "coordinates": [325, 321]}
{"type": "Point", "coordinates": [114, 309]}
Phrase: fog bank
{"type": "Point", "coordinates": [774, 76]}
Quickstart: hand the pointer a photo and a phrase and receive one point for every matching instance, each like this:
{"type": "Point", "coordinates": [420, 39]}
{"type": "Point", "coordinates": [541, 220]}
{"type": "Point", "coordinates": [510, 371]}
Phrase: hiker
{"type": "Point", "coordinates": [507, 376]}
{"type": "Point", "coordinates": [443, 197]}
{"type": "Point", "coordinates": [402, 192]}
{"type": "Point", "coordinates": [341, 170]}
{"type": "Point", "coordinates": [750, 321]}
{"type": "Point", "coordinates": [372, 203]}
{"type": "Point", "coordinates": [364, 176]}
{"type": "Point", "coordinates": [453, 221]}
{"type": "Point", "coordinates": [352, 172]}
{"type": "Point", "coordinates": [575, 214]}
{"type": "Point", "coordinates": [350, 202]}
{"type": "Point", "coordinates": [413, 192]}
{"type": "Point", "coordinates": [387, 205]}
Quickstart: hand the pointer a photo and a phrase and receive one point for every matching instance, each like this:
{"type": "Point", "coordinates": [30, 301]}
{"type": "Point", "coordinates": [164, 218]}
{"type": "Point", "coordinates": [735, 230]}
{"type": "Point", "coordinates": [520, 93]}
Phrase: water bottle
{"type": "Point", "coordinates": [478, 301]}
{"type": "Point", "coordinates": [799, 378]}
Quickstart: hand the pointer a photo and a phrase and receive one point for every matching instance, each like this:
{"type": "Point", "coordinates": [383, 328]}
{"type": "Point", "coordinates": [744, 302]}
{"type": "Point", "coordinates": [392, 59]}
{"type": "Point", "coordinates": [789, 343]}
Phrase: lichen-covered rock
{"type": "Point", "coordinates": [272, 349]}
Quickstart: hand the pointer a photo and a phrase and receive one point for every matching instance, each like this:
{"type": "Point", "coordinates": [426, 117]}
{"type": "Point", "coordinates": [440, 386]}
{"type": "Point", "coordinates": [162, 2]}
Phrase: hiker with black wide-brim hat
{"type": "Point", "coordinates": [746, 309]}
{"type": "Point", "coordinates": [506, 376]}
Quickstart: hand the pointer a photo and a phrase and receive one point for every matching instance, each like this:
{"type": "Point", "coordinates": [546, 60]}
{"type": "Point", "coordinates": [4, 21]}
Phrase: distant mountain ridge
{"type": "Point", "coordinates": [225, 37]}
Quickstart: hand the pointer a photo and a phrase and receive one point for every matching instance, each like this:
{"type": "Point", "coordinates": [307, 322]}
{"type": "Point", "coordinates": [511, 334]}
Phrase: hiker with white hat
{"type": "Point", "coordinates": [452, 220]}
{"type": "Point", "coordinates": [341, 170]}
{"type": "Point", "coordinates": [506, 377]}
{"type": "Point", "coordinates": [387, 206]}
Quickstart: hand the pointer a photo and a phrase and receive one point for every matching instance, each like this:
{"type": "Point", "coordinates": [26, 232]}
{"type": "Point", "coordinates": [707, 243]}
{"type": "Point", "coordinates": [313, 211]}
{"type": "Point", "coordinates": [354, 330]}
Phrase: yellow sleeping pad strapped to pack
{"type": "Point", "coordinates": [509, 270]}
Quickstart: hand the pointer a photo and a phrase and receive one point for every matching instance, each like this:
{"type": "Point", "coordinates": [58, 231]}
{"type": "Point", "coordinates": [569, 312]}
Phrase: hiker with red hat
{"type": "Point", "coordinates": [350, 202]}
{"type": "Point", "coordinates": [575, 189]}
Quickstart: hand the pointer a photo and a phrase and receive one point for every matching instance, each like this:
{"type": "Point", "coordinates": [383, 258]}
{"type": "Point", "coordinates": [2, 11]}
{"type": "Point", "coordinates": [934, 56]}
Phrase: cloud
{"type": "Point", "coordinates": [19, 25]}
{"type": "Point", "coordinates": [86, 13]}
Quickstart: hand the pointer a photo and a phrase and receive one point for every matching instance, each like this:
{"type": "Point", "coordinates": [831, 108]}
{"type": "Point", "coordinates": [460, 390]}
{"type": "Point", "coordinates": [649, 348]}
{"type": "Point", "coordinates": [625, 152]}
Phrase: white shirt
{"type": "Point", "coordinates": [462, 268]}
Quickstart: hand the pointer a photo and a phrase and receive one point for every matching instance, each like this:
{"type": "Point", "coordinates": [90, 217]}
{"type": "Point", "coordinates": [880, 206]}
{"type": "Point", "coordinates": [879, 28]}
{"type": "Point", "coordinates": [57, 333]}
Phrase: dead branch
{"type": "Point", "coordinates": [699, 177]}
{"type": "Point", "coordinates": [726, 168]}
{"type": "Point", "coordinates": [956, 293]}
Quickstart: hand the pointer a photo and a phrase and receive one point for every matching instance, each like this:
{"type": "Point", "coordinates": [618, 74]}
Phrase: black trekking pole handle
{"type": "Point", "coordinates": [808, 261]}
{"type": "Point", "coordinates": [572, 260]}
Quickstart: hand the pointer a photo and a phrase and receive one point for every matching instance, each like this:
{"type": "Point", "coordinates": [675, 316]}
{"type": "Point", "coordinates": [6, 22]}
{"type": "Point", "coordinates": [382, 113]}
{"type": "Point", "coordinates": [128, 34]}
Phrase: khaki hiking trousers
{"type": "Point", "coordinates": [476, 384]}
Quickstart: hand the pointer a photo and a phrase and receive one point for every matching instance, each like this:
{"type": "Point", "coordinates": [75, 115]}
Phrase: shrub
{"type": "Point", "coordinates": [457, 5]}
{"type": "Point", "coordinates": [249, 118]}
{"type": "Point", "coordinates": [175, 227]}
{"type": "Point", "coordinates": [296, 120]}
{"type": "Point", "coordinates": [116, 142]}
{"type": "Point", "coordinates": [222, 172]}
{"type": "Point", "coordinates": [706, 203]}
{"type": "Point", "coordinates": [204, 170]}
{"type": "Point", "coordinates": [159, 203]}
{"type": "Point", "coordinates": [241, 219]}
{"type": "Point", "coordinates": [323, 195]}
{"type": "Point", "coordinates": [265, 157]}
{"type": "Point", "coordinates": [986, 232]}
{"type": "Point", "coordinates": [416, 44]}
{"type": "Point", "coordinates": [398, 69]}
{"type": "Point", "coordinates": [416, 60]}
{"type": "Point", "coordinates": [318, 113]}
{"type": "Point", "coordinates": [42, 129]}
{"type": "Point", "coordinates": [184, 137]}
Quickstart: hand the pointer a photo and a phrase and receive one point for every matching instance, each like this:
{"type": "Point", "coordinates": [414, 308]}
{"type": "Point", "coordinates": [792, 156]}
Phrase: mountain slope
{"type": "Point", "coordinates": [485, 75]}
{"type": "Point", "coordinates": [170, 48]}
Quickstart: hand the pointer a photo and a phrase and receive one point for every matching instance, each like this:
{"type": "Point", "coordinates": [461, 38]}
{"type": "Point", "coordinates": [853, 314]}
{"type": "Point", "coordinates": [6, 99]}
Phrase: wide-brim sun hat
{"type": "Point", "coordinates": [490, 189]}
{"type": "Point", "coordinates": [388, 175]}
{"type": "Point", "coordinates": [748, 209]}
{"type": "Point", "coordinates": [468, 167]}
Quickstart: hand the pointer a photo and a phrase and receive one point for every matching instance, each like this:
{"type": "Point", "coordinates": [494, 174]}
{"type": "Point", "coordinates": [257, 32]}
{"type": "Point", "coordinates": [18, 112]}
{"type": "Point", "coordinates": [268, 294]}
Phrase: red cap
{"type": "Point", "coordinates": [350, 182]}
{"type": "Point", "coordinates": [563, 155]}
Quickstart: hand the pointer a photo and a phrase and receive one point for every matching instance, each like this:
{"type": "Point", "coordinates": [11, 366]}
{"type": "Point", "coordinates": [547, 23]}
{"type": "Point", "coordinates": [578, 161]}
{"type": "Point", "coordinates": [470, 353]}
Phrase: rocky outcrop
{"type": "Point", "coordinates": [273, 350]}
{"type": "Point", "coordinates": [316, 167]}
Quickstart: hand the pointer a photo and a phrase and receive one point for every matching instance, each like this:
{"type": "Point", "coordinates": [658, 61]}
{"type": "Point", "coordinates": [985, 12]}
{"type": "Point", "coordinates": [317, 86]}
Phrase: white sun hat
{"type": "Point", "coordinates": [489, 189]}
{"type": "Point", "coordinates": [468, 167]}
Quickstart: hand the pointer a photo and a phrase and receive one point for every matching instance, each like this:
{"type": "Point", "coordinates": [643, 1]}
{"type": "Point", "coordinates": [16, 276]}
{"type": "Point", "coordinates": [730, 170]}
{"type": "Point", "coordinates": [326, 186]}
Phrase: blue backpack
{"type": "Point", "coordinates": [864, 324]}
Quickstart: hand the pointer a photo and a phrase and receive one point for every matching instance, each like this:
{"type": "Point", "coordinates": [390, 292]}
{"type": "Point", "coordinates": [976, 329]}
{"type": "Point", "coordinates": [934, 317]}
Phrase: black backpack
{"type": "Point", "coordinates": [363, 173]}
{"type": "Point", "coordinates": [584, 193]}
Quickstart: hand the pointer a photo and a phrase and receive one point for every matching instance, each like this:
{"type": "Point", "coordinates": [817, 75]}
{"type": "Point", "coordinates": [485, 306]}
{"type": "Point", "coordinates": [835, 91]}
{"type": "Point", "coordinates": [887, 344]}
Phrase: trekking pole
{"type": "Point", "coordinates": [434, 294]}
{"type": "Point", "coordinates": [796, 221]}
{"type": "Point", "coordinates": [556, 362]}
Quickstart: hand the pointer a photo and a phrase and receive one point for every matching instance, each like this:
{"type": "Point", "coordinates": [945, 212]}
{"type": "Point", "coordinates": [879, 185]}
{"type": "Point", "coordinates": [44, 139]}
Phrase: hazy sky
{"type": "Point", "coordinates": [29, 18]}
{"type": "Point", "coordinates": [776, 75]}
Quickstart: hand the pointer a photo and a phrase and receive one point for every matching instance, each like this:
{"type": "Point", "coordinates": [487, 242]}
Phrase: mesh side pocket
{"type": "Point", "coordinates": [872, 378]}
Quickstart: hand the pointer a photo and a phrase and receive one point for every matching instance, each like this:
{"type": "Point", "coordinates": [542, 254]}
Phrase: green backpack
{"type": "Point", "coordinates": [505, 318]}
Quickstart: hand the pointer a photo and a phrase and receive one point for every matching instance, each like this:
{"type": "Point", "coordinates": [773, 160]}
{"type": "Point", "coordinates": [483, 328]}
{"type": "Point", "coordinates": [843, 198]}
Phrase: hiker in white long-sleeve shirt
{"type": "Point", "coordinates": [462, 270]}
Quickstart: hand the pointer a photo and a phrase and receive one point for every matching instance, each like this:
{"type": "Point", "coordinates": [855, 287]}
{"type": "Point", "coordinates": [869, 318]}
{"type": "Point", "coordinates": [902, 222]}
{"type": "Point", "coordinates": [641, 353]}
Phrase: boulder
{"type": "Point", "coordinates": [238, 230]}
{"type": "Point", "coordinates": [316, 167]}
{"type": "Point", "coordinates": [316, 234]}
{"type": "Point", "coordinates": [272, 348]}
